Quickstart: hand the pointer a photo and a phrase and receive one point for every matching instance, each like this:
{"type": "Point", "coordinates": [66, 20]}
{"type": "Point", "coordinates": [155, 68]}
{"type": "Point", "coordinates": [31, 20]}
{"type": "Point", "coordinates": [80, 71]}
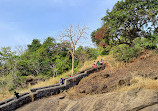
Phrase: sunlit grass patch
{"type": "Point", "coordinates": [5, 94]}
{"type": "Point", "coordinates": [108, 59]}
{"type": "Point", "coordinates": [140, 83]}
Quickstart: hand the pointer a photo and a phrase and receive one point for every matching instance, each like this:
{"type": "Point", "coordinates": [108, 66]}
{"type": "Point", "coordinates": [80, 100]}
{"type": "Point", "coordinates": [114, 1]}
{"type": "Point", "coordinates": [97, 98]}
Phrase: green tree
{"type": "Point", "coordinates": [128, 20]}
{"type": "Point", "coordinates": [34, 45]}
{"type": "Point", "coordinates": [49, 42]}
{"type": "Point", "coordinates": [9, 74]}
{"type": "Point", "coordinates": [85, 53]}
{"type": "Point", "coordinates": [125, 53]}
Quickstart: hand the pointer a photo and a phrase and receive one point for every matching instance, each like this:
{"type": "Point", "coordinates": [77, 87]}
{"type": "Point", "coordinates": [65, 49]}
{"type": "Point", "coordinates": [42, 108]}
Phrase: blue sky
{"type": "Point", "coordinates": [21, 21]}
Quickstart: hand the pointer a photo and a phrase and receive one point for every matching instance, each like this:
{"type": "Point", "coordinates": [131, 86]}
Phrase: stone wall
{"type": "Point", "coordinates": [40, 92]}
{"type": "Point", "coordinates": [35, 89]}
{"type": "Point", "coordinates": [8, 100]}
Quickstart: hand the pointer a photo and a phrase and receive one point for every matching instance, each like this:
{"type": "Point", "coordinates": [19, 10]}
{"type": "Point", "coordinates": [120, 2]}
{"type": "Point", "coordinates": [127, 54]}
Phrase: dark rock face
{"type": "Point", "coordinates": [106, 75]}
{"type": "Point", "coordinates": [31, 81]}
{"type": "Point", "coordinates": [121, 82]}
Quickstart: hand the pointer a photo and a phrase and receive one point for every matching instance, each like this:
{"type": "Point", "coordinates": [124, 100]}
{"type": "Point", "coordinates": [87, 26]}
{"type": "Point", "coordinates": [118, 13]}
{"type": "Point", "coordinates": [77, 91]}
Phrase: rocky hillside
{"type": "Point", "coordinates": [143, 100]}
{"type": "Point", "coordinates": [130, 87]}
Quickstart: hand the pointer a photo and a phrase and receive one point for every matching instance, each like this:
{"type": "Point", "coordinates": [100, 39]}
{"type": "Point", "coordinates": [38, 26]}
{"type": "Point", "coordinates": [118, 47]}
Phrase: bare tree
{"type": "Point", "coordinates": [70, 36]}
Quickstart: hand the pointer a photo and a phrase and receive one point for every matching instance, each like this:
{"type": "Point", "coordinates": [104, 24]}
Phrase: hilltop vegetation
{"type": "Point", "coordinates": [128, 31]}
{"type": "Point", "coordinates": [38, 62]}
{"type": "Point", "coordinates": [128, 28]}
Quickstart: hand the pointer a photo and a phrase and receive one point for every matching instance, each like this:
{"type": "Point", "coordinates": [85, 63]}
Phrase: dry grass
{"type": "Point", "coordinates": [54, 80]}
{"type": "Point", "coordinates": [5, 94]}
{"type": "Point", "coordinates": [113, 67]}
{"type": "Point", "coordinates": [111, 63]}
{"type": "Point", "coordinates": [140, 83]}
{"type": "Point", "coordinates": [107, 59]}
{"type": "Point", "coordinates": [51, 81]}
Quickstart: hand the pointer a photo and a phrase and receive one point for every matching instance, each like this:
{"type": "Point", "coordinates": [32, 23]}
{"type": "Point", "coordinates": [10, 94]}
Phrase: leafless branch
{"type": "Point", "coordinates": [71, 36]}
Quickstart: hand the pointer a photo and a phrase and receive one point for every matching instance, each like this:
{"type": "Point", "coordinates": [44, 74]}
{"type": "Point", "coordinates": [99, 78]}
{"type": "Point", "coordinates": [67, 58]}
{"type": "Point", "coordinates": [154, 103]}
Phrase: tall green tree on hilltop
{"type": "Point", "coordinates": [34, 45]}
{"type": "Point", "coordinates": [127, 20]}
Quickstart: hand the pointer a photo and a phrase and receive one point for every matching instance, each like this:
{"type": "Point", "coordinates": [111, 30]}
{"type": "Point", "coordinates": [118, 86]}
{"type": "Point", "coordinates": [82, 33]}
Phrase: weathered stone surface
{"type": "Point", "coordinates": [150, 108]}
{"type": "Point", "coordinates": [6, 101]}
{"type": "Point", "coordinates": [134, 100]}
{"type": "Point", "coordinates": [16, 103]}
{"type": "Point", "coordinates": [35, 89]}
{"type": "Point", "coordinates": [13, 98]}
{"type": "Point", "coordinates": [106, 75]}
{"type": "Point", "coordinates": [62, 97]}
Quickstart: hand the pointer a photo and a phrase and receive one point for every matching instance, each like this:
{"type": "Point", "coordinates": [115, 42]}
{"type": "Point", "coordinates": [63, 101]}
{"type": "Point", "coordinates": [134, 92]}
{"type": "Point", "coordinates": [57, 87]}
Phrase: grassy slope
{"type": "Point", "coordinates": [118, 69]}
{"type": "Point", "coordinates": [108, 59]}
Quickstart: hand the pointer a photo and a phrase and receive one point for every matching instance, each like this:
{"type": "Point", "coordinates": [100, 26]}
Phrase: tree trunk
{"type": "Point", "coordinates": [72, 64]}
{"type": "Point", "coordinates": [73, 60]}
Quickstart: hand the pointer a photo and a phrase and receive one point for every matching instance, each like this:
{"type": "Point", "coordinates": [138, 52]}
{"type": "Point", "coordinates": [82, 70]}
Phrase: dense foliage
{"type": "Point", "coordinates": [125, 53]}
{"type": "Point", "coordinates": [85, 53]}
{"type": "Point", "coordinates": [41, 60]}
{"type": "Point", "coordinates": [129, 22]}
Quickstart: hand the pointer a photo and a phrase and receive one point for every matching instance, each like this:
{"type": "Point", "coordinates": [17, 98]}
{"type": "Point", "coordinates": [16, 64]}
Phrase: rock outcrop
{"type": "Point", "coordinates": [134, 100]}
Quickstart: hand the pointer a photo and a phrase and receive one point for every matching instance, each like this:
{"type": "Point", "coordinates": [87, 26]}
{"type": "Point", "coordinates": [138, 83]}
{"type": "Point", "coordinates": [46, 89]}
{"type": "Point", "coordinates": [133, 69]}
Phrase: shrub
{"type": "Point", "coordinates": [147, 43]}
{"type": "Point", "coordinates": [104, 50]}
{"type": "Point", "coordinates": [125, 53]}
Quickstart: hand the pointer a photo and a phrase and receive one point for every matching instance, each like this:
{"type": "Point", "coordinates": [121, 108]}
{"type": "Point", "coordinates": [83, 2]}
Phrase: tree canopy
{"type": "Point", "coordinates": [127, 20]}
{"type": "Point", "coordinates": [39, 60]}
